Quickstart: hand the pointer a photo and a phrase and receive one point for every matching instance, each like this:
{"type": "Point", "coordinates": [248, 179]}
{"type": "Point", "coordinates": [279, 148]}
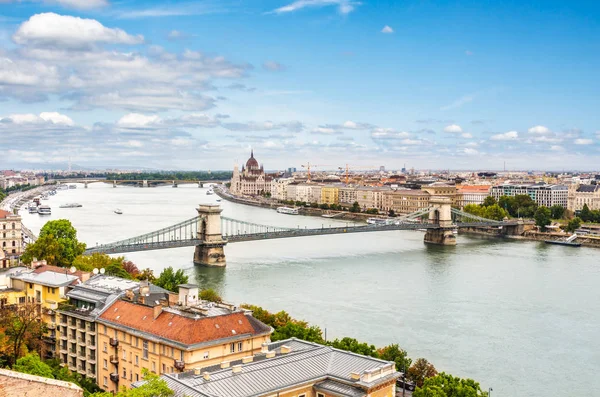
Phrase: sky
{"type": "Point", "coordinates": [198, 84]}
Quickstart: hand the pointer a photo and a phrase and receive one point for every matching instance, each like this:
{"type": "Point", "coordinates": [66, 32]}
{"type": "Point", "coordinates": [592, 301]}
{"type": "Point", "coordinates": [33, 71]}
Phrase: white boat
{"type": "Point", "coordinates": [288, 210]}
{"type": "Point", "coordinates": [72, 186]}
{"type": "Point", "coordinates": [44, 210]}
{"type": "Point", "coordinates": [71, 205]}
{"type": "Point", "coordinates": [209, 192]}
{"type": "Point", "coordinates": [32, 208]}
{"type": "Point", "coordinates": [118, 211]}
{"type": "Point", "coordinates": [218, 200]}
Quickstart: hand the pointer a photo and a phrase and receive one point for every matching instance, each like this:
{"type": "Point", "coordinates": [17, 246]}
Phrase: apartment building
{"type": "Point", "coordinates": [371, 197]}
{"type": "Point", "coordinates": [330, 194]}
{"type": "Point", "coordinates": [278, 188]}
{"type": "Point", "coordinates": [290, 368]}
{"type": "Point", "coordinates": [471, 194]}
{"type": "Point", "coordinates": [11, 239]}
{"type": "Point", "coordinates": [347, 196]}
{"type": "Point", "coordinates": [405, 201]}
{"type": "Point", "coordinates": [580, 195]}
{"type": "Point", "coordinates": [541, 193]}
{"type": "Point", "coordinates": [77, 329]}
{"type": "Point", "coordinates": [141, 331]}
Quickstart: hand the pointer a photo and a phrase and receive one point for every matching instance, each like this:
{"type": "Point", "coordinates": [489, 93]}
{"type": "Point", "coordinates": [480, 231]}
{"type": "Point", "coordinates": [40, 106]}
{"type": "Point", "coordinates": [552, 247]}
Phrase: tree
{"type": "Point", "coordinates": [355, 207]}
{"type": "Point", "coordinates": [153, 386]}
{"type": "Point", "coordinates": [397, 355]}
{"type": "Point", "coordinates": [542, 218]}
{"type": "Point", "coordinates": [324, 206]}
{"type": "Point", "coordinates": [494, 212]}
{"type": "Point", "coordinates": [391, 213]}
{"type": "Point", "coordinates": [314, 205]}
{"type": "Point", "coordinates": [488, 201]}
{"type": "Point", "coordinates": [57, 244]}
{"type": "Point", "coordinates": [210, 295]}
{"type": "Point", "coordinates": [474, 209]}
{"type": "Point", "coordinates": [557, 211]}
{"type": "Point", "coordinates": [147, 274]}
{"type": "Point", "coordinates": [169, 279]}
{"type": "Point", "coordinates": [300, 331]}
{"type": "Point", "coordinates": [95, 261]}
{"type": "Point", "coordinates": [115, 269]}
{"type": "Point", "coordinates": [421, 370]}
{"type": "Point", "coordinates": [445, 385]}
{"type": "Point", "coordinates": [22, 327]}
{"type": "Point", "coordinates": [353, 345]}
{"type": "Point", "coordinates": [573, 224]}
{"type": "Point", "coordinates": [586, 214]}
{"type": "Point", "coordinates": [372, 211]}
{"type": "Point", "coordinates": [131, 268]}
{"type": "Point", "coordinates": [31, 364]}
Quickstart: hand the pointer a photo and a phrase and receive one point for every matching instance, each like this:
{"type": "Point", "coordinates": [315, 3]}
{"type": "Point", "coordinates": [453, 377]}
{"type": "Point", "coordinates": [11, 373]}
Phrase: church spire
{"type": "Point", "coordinates": [251, 153]}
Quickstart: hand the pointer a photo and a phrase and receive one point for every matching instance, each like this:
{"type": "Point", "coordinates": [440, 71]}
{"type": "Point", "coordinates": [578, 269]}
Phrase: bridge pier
{"type": "Point", "coordinates": [210, 252]}
{"type": "Point", "coordinates": [441, 214]}
{"type": "Point", "coordinates": [114, 183]}
{"type": "Point", "coordinates": [85, 184]}
{"type": "Point", "coordinates": [200, 184]}
{"type": "Point", "coordinates": [174, 184]}
{"type": "Point", "coordinates": [145, 183]}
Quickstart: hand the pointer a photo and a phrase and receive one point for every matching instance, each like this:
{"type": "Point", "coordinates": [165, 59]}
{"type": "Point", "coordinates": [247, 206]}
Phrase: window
{"type": "Point", "coordinates": [105, 347]}
{"type": "Point", "coordinates": [318, 395]}
{"type": "Point", "coordinates": [137, 377]}
{"type": "Point", "coordinates": [21, 300]}
{"type": "Point", "coordinates": [137, 361]}
{"type": "Point", "coordinates": [104, 364]}
{"type": "Point", "coordinates": [232, 348]}
{"type": "Point", "coordinates": [105, 382]}
{"type": "Point", "coordinates": [124, 354]}
{"type": "Point", "coordinates": [206, 355]}
{"type": "Point", "coordinates": [104, 329]}
{"type": "Point", "coordinates": [153, 366]}
{"type": "Point", "coordinates": [164, 369]}
{"type": "Point", "coordinates": [240, 346]}
{"type": "Point", "coordinates": [153, 347]}
{"type": "Point", "coordinates": [124, 373]}
{"type": "Point", "coordinates": [145, 349]}
{"type": "Point", "coordinates": [136, 342]}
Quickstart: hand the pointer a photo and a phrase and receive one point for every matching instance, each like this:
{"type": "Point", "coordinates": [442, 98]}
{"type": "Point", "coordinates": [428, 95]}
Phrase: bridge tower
{"type": "Point", "coordinates": [114, 183]}
{"type": "Point", "coordinates": [85, 184]}
{"type": "Point", "coordinates": [145, 183]}
{"type": "Point", "coordinates": [200, 184]}
{"type": "Point", "coordinates": [441, 214]}
{"type": "Point", "coordinates": [210, 251]}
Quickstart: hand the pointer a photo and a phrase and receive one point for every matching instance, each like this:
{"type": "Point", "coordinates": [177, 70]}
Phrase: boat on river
{"type": "Point", "coordinates": [70, 205]}
{"type": "Point", "coordinates": [118, 211]}
{"type": "Point", "coordinates": [44, 210]}
{"type": "Point", "coordinates": [288, 210]}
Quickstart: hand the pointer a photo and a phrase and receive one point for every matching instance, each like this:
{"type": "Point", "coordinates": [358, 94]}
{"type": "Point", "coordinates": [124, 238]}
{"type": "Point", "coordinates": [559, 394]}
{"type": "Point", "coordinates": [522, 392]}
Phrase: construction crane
{"type": "Point", "coordinates": [356, 167]}
{"type": "Point", "coordinates": [309, 165]}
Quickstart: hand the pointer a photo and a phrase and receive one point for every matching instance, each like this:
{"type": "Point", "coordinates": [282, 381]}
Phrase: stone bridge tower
{"type": "Point", "coordinates": [210, 251]}
{"type": "Point", "coordinates": [441, 214]}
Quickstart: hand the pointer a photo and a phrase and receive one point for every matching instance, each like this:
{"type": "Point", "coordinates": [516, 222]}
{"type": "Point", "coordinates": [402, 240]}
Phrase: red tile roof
{"type": "Point", "coordinates": [178, 328]}
{"type": "Point", "coordinates": [474, 188]}
{"type": "Point", "coordinates": [4, 214]}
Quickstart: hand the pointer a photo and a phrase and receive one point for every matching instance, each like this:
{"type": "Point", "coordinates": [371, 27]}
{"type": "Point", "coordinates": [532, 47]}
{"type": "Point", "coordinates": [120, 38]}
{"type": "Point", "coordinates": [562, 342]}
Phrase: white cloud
{"type": "Point", "coordinates": [56, 118]}
{"type": "Point", "coordinates": [137, 120]}
{"type": "Point", "coordinates": [471, 144]}
{"type": "Point", "coordinates": [174, 35]}
{"type": "Point", "coordinates": [458, 103]}
{"type": "Point", "coordinates": [50, 29]}
{"type": "Point", "coordinates": [324, 131]}
{"type": "Point", "coordinates": [344, 6]}
{"type": "Point", "coordinates": [387, 29]}
{"type": "Point", "coordinates": [507, 136]}
{"type": "Point", "coordinates": [388, 133]}
{"type": "Point", "coordinates": [80, 4]}
{"type": "Point", "coordinates": [273, 66]}
{"type": "Point", "coordinates": [470, 151]}
{"type": "Point", "coordinates": [453, 129]}
{"type": "Point", "coordinates": [466, 135]}
{"type": "Point", "coordinates": [557, 148]}
{"type": "Point", "coordinates": [539, 130]}
{"type": "Point", "coordinates": [546, 139]}
{"type": "Point", "coordinates": [582, 141]}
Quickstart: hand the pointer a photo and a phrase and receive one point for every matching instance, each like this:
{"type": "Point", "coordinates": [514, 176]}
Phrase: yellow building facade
{"type": "Point", "coordinates": [330, 195]}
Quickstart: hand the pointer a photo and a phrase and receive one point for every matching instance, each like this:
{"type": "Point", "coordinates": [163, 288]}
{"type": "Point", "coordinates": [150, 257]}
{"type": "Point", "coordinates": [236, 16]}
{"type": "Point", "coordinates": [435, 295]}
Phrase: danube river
{"type": "Point", "coordinates": [520, 317]}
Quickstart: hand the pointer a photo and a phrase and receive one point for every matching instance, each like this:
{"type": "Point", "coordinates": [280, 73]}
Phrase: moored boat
{"type": "Point", "coordinates": [71, 205]}
{"type": "Point", "coordinates": [288, 210]}
{"type": "Point", "coordinates": [44, 210]}
{"type": "Point", "coordinates": [118, 211]}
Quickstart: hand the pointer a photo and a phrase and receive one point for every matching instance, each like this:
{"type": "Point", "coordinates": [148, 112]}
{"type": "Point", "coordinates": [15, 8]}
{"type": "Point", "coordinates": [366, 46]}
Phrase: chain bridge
{"type": "Point", "coordinates": [209, 232]}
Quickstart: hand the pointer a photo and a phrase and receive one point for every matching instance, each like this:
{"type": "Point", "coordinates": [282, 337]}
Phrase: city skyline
{"type": "Point", "coordinates": [195, 85]}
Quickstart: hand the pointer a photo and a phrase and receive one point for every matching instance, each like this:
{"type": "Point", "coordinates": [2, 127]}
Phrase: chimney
{"type": "Point", "coordinates": [354, 376]}
{"type": "Point", "coordinates": [196, 371]}
{"type": "Point", "coordinates": [164, 302]}
{"type": "Point", "coordinates": [264, 348]}
{"type": "Point", "coordinates": [156, 310]}
{"type": "Point", "coordinates": [141, 299]}
{"type": "Point", "coordinates": [188, 294]}
{"type": "Point", "coordinates": [225, 364]}
{"type": "Point", "coordinates": [270, 354]}
{"type": "Point", "coordinates": [236, 369]}
{"type": "Point", "coordinates": [129, 294]}
{"type": "Point", "coordinates": [206, 376]}
{"type": "Point", "coordinates": [247, 359]}
{"type": "Point", "coordinates": [285, 349]}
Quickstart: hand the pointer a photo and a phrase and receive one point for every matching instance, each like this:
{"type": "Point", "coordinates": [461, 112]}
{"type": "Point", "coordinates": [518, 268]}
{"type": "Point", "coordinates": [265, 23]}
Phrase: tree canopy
{"type": "Point", "coordinates": [210, 295]}
{"type": "Point", "coordinates": [493, 211]}
{"type": "Point", "coordinates": [445, 385]}
{"type": "Point", "coordinates": [57, 244]}
{"type": "Point", "coordinates": [32, 364]}
{"type": "Point", "coordinates": [153, 386]}
{"type": "Point", "coordinates": [23, 330]}
{"type": "Point", "coordinates": [573, 224]}
{"type": "Point", "coordinates": [169, 279]}
{"type": "Point", "coordinates": [420, 371]}
{"type": "Point", "coordinates": [542, 218]}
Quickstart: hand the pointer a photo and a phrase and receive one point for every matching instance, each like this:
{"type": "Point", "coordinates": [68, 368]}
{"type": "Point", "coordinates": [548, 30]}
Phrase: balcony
{"type": "Point", "coordinates": [81, 341]}
{"type": "Point", "coordinates": [51, 325]}
{"type": "Point", "coordinates": [91, 358]}
{"type": "Point", "coordinates": [63, 349]}
{"type": "Point", "coordinates": [50, 312]}
{"type": "Point", "coordinates": [72, 352]}
{"type": "Point", "coordinates": [91, 327]}
{"type": "Point", "coordinates": [114, 377]}
{"type": "Point", "coordinates": [114, 360]}
{"type": "Point", "coordinates": [114, 342]}
{"type": "Point", "coordinates": [91, 373]}
{"type": "Point", "coordinates": [49, 339]}
{"type": "Point", "coordinates": [81, 369]}
{"type": "Point", "coordinates": [179, 365]}
{"type": "Point", "coordinates": [52, 305]}
{"type": "Point", "coordinates": [63, 320]}
{"type": "Point", "coordinates": [63, 336]}
{"type": "Point", "coordinates": [82, 325]}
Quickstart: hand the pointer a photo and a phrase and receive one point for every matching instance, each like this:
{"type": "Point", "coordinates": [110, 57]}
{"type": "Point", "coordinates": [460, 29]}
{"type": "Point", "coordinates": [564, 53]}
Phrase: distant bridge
{"type": "Point", "coordinates": [209, 232]}
{"type": "Point", "coordinates": [140, 182]}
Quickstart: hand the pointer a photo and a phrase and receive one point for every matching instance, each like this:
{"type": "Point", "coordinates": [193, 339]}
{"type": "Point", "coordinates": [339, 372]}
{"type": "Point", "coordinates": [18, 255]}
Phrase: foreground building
{"type": "Point", "coordinates": [11, 239]}
{"type": "Point", "coordinates": [290, 368]}
{"type": "Point", "coordinates": [17, 384]}
{"type": "Point", "coordinates": [474, 194]}
{"type": "Point", "coordinates": [541, 193]}
{"type": "Point", "coordinates": [252, 180]}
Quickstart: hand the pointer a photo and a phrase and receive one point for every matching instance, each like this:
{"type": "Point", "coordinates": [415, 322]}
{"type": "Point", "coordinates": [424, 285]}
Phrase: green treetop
{"type": "Point", "coordinates": [169, 279]}
{"type": "Point", "coordinates": [445, 385]}
{"type": "Point", "coordinates": [31, 364]}
{"type": "Point", "coordinates": [57, 244]}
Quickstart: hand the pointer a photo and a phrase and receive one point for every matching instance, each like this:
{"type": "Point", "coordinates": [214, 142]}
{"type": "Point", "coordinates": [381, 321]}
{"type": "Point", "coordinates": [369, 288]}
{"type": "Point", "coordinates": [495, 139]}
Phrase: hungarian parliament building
{"type": "Point", "coordinates": [252, 180]}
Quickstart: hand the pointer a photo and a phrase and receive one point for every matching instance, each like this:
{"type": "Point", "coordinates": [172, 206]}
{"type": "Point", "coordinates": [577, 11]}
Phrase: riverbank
{"type": "Point", "coordinates": [306, 211]}
{"type": "Point", "coordinates": [17, 199]}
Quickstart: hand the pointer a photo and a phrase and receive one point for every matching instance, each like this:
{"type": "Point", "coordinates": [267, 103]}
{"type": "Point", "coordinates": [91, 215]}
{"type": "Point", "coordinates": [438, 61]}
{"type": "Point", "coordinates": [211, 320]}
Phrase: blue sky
{"type": "Point", "coordinates": [195, 85]}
